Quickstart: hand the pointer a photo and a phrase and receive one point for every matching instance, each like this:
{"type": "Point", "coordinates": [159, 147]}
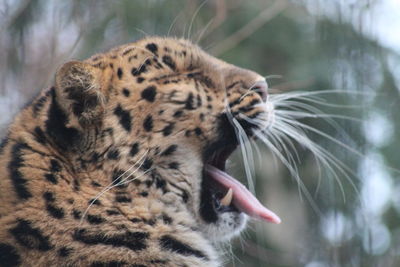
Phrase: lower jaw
{"type": "Point", "coordinates": [228, 226]}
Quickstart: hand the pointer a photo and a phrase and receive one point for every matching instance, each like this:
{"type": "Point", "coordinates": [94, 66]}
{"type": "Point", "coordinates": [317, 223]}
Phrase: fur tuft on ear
{"type": "Point", "coordinates": [79, 91]}
{"type": "Point", "coordinates": [77, 106]}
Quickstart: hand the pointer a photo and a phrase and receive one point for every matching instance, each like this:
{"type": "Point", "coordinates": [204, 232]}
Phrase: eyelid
{"type": "Point", "coordinates": [261, 87]}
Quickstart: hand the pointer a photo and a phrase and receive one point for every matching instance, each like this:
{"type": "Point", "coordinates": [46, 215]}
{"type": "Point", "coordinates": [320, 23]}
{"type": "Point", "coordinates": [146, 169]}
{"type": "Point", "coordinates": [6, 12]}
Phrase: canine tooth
{"type": "Point", "coordinates": [227, 199]}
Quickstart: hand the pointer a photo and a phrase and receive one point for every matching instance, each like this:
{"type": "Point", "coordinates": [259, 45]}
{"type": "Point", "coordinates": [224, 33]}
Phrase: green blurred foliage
{"type": "Point", "coordinates": [309, 51]}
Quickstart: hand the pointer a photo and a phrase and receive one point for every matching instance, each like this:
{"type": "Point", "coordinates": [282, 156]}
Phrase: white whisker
{"type": "Point", "coordinates": [297, 94]}
{"type": "Point", "coordinates": [290, 168]}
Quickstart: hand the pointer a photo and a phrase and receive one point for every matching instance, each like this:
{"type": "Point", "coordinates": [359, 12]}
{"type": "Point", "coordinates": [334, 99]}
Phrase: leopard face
{"type": "Point", "coordinates": [186, 110]}
{"type": "Point", "coordinates": [132, 143]}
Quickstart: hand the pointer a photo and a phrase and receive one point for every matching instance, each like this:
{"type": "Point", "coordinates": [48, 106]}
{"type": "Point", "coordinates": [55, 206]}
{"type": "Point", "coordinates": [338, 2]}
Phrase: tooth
{"type": "Point", "coordinates": [227, 199]}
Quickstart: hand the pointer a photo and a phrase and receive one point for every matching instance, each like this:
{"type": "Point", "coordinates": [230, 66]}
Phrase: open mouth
{"type": "Point", "coordinates": [223, 193]}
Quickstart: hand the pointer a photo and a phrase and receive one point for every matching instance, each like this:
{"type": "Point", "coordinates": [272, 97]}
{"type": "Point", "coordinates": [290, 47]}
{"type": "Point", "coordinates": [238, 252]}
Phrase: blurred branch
{"type": "Point", "coordinates": [247, 30]}
{"type": "Point", "coordinates": [215, 22]}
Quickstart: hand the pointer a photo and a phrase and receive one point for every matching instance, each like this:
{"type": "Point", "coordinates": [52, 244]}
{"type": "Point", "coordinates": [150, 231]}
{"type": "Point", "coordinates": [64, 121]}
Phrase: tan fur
{"type": "Point", "coordinates": [47, 218]}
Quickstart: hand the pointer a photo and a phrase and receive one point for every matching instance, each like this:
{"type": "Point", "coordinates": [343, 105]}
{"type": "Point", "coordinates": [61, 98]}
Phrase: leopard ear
{"type": "Point", "coordinates": [79, 88]}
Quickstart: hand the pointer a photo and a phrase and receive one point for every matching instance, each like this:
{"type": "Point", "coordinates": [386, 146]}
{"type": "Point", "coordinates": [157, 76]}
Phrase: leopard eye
{"type": "Point", "coordinates": [261, 88]}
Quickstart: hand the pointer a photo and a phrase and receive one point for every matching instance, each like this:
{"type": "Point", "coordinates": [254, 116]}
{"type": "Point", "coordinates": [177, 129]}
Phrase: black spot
{"type": "Point", "coordinates": [65, 137]}
{"type": "Point", "coordinates": [30, 237]}
{"type": "Point", "coordinates": [172, 244]}
{"type": "Point", "coordinates": [202, 78]}
{"type": "Point", "coordinates": [51, 178]}
{"type": "Point", "coordinates": [168, 129]}
{"type": "Point", "coordinates": [132, 57]}
{"type": "Point", "coordinates": [189, 104]}
{"type": "Point", "coordinates": [148, 123]}
{"type": "Point", "coordinates": [201, 116]}
{"type": "Point", "coordinates": [122, 199]}
{"type": "Point", "coordinates": [174, 165]}
{"type": "Point", "coordinates": [55, 166]}
{"type": "Point", "coordinates": [148, 62]}
{"type": "Point", "coordinates": [144, 194]}
{"type": "Point", "coordinates": [198, 131]}
{"type": "Point", "coordinates": [150, 222]}
{"type": "Point", "coordinates": [49, 196]}
{"type": "Point", "coordinates": [171, 149]}
{"type": "Point", "coordinates": [64, 252]}
{"type": "Point", "coordinates": [95, 157]}
{"type": "Point", "coordinates": [51, 208]}
{"type": "Point", "coordinates": [17, 179]}
{"type": "Point", "coordinates": [152, 47]}
{"type": "Point", "coordinates": [199, 101]}
{"type": "Point", "coordinates": [138, 265]}
{"type": "Point", "coordinates": [112, 212]}
{"type": "Point", "coordinates": [39, 135]}
{"type": "Point", "coordinates": [9, 256]}
{"type": "Point", "coordinates": [134, 149]}
{"type": "Point", "coordinates": [169, 62]}
{"type": "Point", "coordinates": [76, 184]}
{"type": "Point", "coordinates": [109, 264]}
{"type": "Point", "coordinates": [178, 114]}
{"type": "Point", "coordinates": [116, 178]}
{"type": "Point", "coordinates": [119, 73]}
{"type": "Point", "coordinates": [95, 184]}
{"type": "Point", "coordinates": [166, 219]}
{"type": "Point", "coordinates": [127, 51]}
{"type": "Point", "coordinates": [132, 240]}
{"type": "Point", "coordinates": [77, 214]}
{"type": "Point", "coordinates": [126, 92]}
{"type": "Point", "coordinates": [160, 183]}
{"type": "Point", "coordinates": [135, 220]}
{"type": "Point", "coordinates": [185, 196]}
{"type": "Point", "coordinates": [95, 219]}
{"type": "Point", "coordinates": [125, 118]}
{"type": "Point", "coordinates": [137, 72]}
{"type": "Point", "coordinates": [149, 182]}
{"type": "Point", "coordinates": [113, 154]}
{"type": "Point", "coordinates": [149, 93]}
{"type": "Point", "coordinates": [140, 79]}
{"type": "Point", "coordinates": [94, 201]}
{"type": "Point", "coordinates": [147, 164]}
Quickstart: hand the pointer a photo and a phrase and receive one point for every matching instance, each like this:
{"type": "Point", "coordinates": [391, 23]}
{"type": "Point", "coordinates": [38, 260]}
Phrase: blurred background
{"type": "Point", "coordinates": [351, 46]}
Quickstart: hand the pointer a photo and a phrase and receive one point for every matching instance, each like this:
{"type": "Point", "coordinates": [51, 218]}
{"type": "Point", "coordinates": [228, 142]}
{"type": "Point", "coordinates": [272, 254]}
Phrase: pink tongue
{"type": "Point", "coordinates": [242, 198]}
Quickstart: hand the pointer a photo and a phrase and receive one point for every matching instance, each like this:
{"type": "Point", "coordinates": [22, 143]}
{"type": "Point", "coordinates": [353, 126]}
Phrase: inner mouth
{"type": "Point", "coordinates": [223, 193]}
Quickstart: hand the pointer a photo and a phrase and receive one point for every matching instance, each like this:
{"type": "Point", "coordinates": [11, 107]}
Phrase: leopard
{"type": "Point", "coordinates": [121, 162]}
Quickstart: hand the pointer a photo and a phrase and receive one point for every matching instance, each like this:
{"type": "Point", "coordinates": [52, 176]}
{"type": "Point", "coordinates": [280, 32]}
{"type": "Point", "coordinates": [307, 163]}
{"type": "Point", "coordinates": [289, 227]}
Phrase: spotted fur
{"type": "Point", "coordinates": [156, 106]}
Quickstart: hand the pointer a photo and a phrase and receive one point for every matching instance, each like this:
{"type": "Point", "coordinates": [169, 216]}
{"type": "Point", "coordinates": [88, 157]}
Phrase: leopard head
{"type": "Point", "coordinates": [169, 110]}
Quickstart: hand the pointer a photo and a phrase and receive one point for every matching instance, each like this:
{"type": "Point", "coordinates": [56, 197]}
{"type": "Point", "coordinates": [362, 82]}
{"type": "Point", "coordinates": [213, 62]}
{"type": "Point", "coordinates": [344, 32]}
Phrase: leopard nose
{"type": "Point", "coordinates": [261, 87]}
